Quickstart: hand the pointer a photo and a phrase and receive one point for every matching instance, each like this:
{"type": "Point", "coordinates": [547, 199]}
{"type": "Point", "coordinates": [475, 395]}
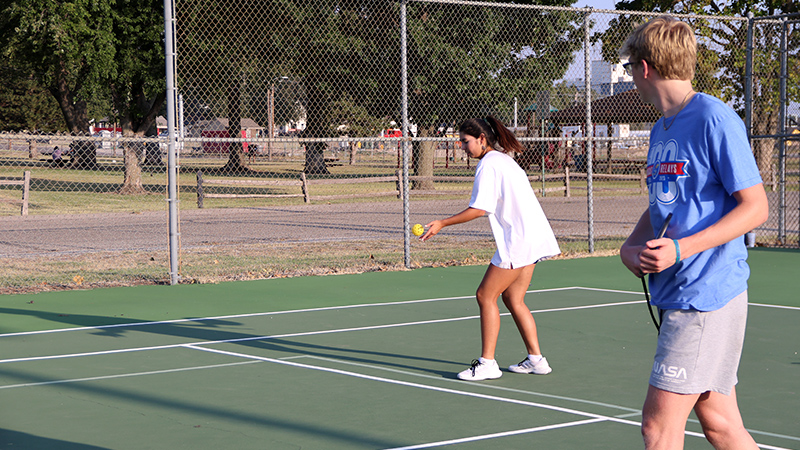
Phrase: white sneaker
{"type": "Point", "coordinates": [481, 371]}
{"type": "Point", "coordinates": [527, 366]}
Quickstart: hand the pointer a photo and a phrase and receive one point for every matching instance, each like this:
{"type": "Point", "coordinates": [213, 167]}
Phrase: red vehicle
{"type": "Point", "coordinates": [393, 133]}
{"type": "Point", "coordinates": [219, 147]}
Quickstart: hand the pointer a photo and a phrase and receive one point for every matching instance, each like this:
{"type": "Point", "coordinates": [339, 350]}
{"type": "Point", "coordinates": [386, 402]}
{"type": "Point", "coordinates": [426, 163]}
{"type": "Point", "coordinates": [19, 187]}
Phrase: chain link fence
{"type": "Point", "coordinates": [773, 118]}
{"type": "Point", "coordinates": [310, 136]}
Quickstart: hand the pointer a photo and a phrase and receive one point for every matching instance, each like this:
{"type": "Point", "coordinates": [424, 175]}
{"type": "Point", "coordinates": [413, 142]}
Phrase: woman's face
{"type": "Point", "coordinates": [471, 145]}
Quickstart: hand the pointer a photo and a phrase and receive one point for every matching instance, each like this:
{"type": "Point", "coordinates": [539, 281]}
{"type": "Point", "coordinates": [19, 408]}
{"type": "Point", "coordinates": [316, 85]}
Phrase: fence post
{"type": "Point", "coordinates": [589, 130]}
{"type": "Point", "coordinates": [566, 181]}
{"type": "Point", "coordinates": [304, 187]}
{"type": "Point", "coordinates": [643, 179]}
{"type": "Point", "coordinates": [399, 184]}
{"type": "Point", "coordinates": [26, 191]}
{"type": "Point", "coordinates": [200, 189]}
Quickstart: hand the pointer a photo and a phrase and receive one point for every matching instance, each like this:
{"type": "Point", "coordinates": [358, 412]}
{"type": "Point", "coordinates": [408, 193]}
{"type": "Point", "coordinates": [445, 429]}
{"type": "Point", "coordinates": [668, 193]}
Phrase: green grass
{"type": "Point", "coordinates": [214, 264]}
{"type": "Point", "coordinates": [67, 191]}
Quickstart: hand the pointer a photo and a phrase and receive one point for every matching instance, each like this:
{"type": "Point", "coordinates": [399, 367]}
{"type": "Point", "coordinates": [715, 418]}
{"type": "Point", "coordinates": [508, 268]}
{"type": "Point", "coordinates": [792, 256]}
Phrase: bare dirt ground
{"type": "Point", "coordinates": [44, 251]}
{"type": "Point", "coordinates": [38, 236]}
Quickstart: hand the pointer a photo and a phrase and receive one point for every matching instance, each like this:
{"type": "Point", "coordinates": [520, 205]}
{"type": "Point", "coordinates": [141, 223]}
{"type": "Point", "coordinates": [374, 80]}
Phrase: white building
{"type": "Point", "coordinates": [607, 79]}
{"type": "Point", "coordinates": [604, 72]}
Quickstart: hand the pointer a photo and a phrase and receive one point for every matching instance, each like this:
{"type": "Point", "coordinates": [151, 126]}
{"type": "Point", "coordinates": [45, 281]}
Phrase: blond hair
{"type": "Point", "coordinates": [667, 44]}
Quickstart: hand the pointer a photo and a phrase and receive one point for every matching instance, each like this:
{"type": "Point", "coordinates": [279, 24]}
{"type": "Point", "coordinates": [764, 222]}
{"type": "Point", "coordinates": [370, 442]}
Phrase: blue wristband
{"type": "Point", "coordinates": [677, 251]}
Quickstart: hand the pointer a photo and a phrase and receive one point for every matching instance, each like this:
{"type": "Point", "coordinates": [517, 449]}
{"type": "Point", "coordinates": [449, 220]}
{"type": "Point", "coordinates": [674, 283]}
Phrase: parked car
{"type": "Point", "coordinates": [393, 133]}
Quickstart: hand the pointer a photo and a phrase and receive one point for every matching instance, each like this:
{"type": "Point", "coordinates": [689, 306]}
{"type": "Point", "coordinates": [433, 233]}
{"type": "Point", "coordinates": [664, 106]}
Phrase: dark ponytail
{"type": "Point", "coordinates": [496, 134]}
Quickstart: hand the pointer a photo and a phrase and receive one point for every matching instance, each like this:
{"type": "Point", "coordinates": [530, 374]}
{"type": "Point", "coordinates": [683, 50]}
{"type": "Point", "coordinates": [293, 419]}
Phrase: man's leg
{"type": "Point", "coordinates": [664, 418]}
{"type": "Point", "coordinates": [722, 423]}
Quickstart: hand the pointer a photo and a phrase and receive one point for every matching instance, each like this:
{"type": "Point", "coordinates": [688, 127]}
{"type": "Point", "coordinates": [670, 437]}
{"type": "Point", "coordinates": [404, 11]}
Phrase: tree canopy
{"type": "Point", "coordinates": [722, 47]}
{"type": "Point", "coordinates": [24, 104]}
{"type": "Point", "coordinates": [345, 56]}
{"type": "Point", "coordinates": [97, 59]}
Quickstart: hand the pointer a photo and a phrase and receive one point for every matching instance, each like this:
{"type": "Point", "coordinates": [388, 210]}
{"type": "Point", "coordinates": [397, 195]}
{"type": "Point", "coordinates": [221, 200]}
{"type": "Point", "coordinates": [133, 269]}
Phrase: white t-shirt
{"type": "Point", "coordinates": [519, 226]}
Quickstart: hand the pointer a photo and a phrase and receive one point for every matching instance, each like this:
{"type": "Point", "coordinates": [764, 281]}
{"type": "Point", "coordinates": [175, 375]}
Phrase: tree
{"type": "Point", "coordinates": [722, 46]}
{"type": "Point", "coordinates": [507, 53]}
{"type": "Point", "coordinates": [354, 120]}
{"type": "Point", "coordinates": [86, 50]}
{"type": "Point", "coordinates": [64, 46]}
{"type": "Point", "coordinates": [24, 105]}
{"type": "Point", "coordinates": [137, 85]}
{"type": "Point", "coordinates": [347, 52]}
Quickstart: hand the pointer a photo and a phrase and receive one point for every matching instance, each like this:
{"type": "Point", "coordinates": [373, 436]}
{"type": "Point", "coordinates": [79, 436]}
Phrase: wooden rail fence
{"type": "Point", "coordinates": [304, 185]}
{"type": "Point", "coordinates": [25, 182]}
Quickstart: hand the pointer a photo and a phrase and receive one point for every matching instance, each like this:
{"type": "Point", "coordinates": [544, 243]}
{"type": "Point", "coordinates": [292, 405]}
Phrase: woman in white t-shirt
{"type": "Point", "coordinates": [523, 238]}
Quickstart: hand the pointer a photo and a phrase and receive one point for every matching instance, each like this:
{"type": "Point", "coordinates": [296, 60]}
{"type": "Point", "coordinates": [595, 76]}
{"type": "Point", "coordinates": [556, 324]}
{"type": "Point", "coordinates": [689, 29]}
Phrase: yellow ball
{"type": "Point", "coordinates": [417, 230]}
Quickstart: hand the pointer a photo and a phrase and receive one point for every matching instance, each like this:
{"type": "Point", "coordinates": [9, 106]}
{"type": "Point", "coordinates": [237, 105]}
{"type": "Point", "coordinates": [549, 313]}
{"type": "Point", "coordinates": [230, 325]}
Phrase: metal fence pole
{"type": "Point", "coordinates": [172, 173]}
{"type": "Point", "coordinates": [589, 134]}
{"type": "Point", "coordinates": [782, 131]}
{"type": "Point", "coordinates": [748, 77]}
{"type": "Point", "coordinates": [404, 87]}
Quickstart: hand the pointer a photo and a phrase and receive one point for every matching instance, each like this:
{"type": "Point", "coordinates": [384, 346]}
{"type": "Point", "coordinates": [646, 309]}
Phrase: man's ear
{"type": "Point", "coordinates": [647, 70]}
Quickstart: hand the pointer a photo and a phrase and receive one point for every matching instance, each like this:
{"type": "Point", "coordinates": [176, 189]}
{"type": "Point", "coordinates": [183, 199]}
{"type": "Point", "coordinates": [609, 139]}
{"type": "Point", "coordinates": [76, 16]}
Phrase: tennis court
{"type": "Point", "coordinates": [366, 361]}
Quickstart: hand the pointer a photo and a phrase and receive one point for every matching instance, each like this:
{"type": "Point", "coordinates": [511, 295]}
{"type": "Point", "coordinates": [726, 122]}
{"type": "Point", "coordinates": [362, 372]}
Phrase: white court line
{"type": "Point", "coordinates": [545, 428]}
{"type": "Point", "coordinates": [632, 411]}
{"type": "Point", "coordinates": [329, 308]}
{"type": "Point", "coordinates": [595, 418]}
{"type": "Point", "coordinates": [293, 311]}
{"type": "Point", "coordinates": [794, 308]}
{"type": "Point", "coordinates": [417, 385]}
{"type": "Point", "coordinates": [126, 375]}
{"type": "Point", "coordinates": [485, 386]}
{"type": "Point", "coordinates": [498, 435]}
{"type": "Point", "coordinates": [307, 333]}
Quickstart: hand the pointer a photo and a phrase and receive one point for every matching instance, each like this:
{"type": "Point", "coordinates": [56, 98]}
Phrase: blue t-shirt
{"type": "Point", "coordinates": [692, 171]}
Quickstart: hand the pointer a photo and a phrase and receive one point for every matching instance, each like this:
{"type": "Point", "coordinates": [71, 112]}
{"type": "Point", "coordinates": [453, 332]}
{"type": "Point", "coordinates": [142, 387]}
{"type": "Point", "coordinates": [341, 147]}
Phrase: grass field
{"type": "Point", "coordinates": [66, 191]}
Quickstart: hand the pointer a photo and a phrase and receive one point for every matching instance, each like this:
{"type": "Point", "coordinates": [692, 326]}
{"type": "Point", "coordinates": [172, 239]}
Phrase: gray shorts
{"type": "Point", "coordinates": [700, 351]}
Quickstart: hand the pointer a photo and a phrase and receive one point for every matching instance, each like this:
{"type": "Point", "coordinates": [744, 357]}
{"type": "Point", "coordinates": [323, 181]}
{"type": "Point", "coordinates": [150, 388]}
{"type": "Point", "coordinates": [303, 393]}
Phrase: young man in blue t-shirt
{"type": "Point", "coordinates": [701, 170]}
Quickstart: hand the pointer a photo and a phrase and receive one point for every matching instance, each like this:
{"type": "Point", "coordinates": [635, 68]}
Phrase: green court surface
{"type": "Point", "coordinates": [366, 362]}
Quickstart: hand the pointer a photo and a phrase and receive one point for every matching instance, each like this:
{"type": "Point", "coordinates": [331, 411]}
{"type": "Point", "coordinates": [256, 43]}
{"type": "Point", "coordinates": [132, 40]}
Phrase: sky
{"type": "Point", "coordinates": [576, 69]}
{"type": "Point", "coordinates": [597, 4]}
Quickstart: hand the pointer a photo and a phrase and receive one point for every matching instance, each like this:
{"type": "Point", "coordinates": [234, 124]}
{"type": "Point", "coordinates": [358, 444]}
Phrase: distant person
{"type": "Point", "coordinates": [523, 237]}
{"type": "Point", "coordinates": [57, 157]}
{"type": "Point", "coordinates": [702, 171]}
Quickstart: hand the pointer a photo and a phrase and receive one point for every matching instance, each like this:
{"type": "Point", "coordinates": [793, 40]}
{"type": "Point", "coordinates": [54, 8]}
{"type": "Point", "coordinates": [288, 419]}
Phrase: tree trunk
{"type": "Point", "coordinates": [132, 182]}
{"type": "Point", "coordinates": [315, 159]}
{"type": "Point", "coordinates": [135, 155]}
{"type": "Point", "coordinates": [75, 111]}
{"type": "Point", "coordinates": [533, 150]}
{"type": "Point", "coordinates": [152, 155]}
{"type": "Point", "coordinates": [33, 149]}
{"type": "Point", "coordinates": [236, 159]}
{"type": "Point", "coordinates": [83, 155]}
{"type": "Point", "coordinates": [353, 152]}
{"type": "Point", "coordinates": [422, 161]}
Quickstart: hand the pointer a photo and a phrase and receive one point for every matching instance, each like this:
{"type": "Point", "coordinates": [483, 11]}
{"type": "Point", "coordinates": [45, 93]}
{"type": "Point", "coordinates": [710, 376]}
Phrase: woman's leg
{"type": "Point", "coordinates": [514, 299]}
{"type": "Point", "coordinates": [495, 282]}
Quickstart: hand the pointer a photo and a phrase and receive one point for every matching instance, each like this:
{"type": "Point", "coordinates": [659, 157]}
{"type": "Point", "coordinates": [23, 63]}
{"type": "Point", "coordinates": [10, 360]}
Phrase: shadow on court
{"type": "Point", "coordinates": [26, 441]}
{"type": "Point", "coordinates": [178, 397]}
{"type": "Point", "coordinates": [203, 331]}
{"type": "Point", "coordinates": [17, 439]}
